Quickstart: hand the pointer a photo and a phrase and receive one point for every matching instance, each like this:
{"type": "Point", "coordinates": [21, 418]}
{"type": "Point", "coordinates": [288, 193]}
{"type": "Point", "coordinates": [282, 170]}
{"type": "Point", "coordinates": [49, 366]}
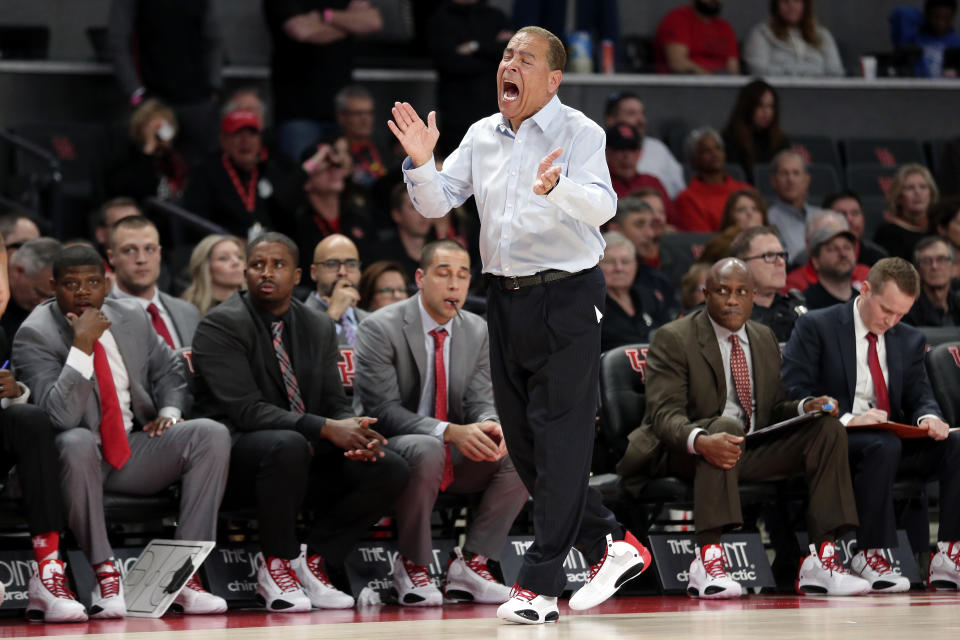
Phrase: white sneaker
{"type": "Point", "coordinates": [193, 599]}
{"type": "Point", "coordinates": [413, 585]}
{"type": "Point", "coordinates": [106, 601]}
{"type": "Point", "coordinates": [708, 577]}
{"type": "Point", "coordinates": [526, 607]}
{"type": "Point", "coordinates": [316, 584]}
{"type": "Point", "coordinates": [51, 600]}
{"type": "Point", "coordinates": [872, 566]}
{"type": "Point", "coordinates": [623, 560]}
{"type": "Point", "coordinates": [471, 581]}
{"type": "Point", "coordinates": [278, 587]}
{"type": "Point", "coordinates": [824, 574]}
{"type": "Point", "coordinates": [945, 566]}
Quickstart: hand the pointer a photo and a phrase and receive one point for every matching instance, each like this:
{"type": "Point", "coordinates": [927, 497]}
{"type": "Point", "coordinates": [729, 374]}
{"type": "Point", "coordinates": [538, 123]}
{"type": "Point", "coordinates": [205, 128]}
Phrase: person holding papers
{"type": "Point", "coordinates": [713, 377]}
{"type": "Point", "coordinates": [873, 363]}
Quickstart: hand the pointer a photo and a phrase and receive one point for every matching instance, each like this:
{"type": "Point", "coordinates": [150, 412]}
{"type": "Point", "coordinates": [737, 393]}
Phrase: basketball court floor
{"type": "Point", "coordinates": [915, 616]}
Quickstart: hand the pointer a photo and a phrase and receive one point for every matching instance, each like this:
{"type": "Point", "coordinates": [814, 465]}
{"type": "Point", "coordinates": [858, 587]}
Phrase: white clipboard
{"type": "Point", "coordinates": [152, 584]}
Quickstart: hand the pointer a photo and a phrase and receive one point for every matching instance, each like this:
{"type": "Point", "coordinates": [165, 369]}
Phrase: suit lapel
{"type": "Point", "coordinates": [175, 316]}
{"type": "Point", "coordinates": [711, 353]}
{"type": "Point", "coordinates": [891, 344]}
{"type": "Point", "coordinates": [847, 347]}
{"type": "Point", "coordinates": [413, 332]}
{"type": "Point", "coordinates": [760, 362]}
{"type": "Point", "coordinates": [269, 356]}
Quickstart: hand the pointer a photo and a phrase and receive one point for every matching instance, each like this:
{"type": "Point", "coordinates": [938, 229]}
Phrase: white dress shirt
{"type": "Point", "coordinates": [522, 233]}
{"type": "Point", "coordinates": [164, 314]}
{"type": "Point", "coordinates": [83, 364]}
{"type": "Point", "coordinates": [864, 396]}
{"type": "Point", "coordinates": [656, 160]}
{"type": "Point", "coordinates": [427, 396]}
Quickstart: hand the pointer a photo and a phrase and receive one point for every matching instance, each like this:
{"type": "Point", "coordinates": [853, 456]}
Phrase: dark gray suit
{"type": "Point", "coordinates": [391, 366]}
{"type": "Point", "coordinates": [195, 452]}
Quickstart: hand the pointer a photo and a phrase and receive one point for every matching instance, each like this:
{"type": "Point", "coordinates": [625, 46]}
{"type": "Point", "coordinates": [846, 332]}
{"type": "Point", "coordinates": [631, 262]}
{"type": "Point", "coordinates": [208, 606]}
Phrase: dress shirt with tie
{"type": "Point", "coordinates": [164, 314]}
{"type": "Point", "coordinates": [864, 397]}
{"type": "Point", "coordinates": [347, 318]}
{"type": "Point", "coordinates": [522, 233]}
{"type": "Point", "coordinates": [83, 364]}
{"type": "Point", "coordinates": [427, 401]}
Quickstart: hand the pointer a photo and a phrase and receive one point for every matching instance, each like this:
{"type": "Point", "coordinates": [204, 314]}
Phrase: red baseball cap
{"type": "Point", "coordinates": [240, 119]}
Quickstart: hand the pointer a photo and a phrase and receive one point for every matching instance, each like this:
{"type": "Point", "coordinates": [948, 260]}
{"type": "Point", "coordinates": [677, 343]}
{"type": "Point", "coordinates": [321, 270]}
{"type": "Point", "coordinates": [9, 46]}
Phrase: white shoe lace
{"type": "Point", "coordinates": [283, 574]}
{"type": "Point", "coordinates": [418, 575]}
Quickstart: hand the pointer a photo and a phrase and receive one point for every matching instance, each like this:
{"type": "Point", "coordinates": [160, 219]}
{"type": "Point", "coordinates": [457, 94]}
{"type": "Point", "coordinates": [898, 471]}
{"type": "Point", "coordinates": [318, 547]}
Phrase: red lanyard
{"type": "Point", "coordinates": [248, 197]}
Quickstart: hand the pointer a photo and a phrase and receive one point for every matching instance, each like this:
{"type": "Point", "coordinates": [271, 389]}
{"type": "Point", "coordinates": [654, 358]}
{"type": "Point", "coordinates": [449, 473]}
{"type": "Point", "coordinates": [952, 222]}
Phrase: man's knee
{"type": "Point", "coordinates": [78, 448]}
{"type": "Point", "coordinates": [425, 455]}
{"type": "Point", "coordinates": [287, 449]}
{"type": "Point", "coordinates": [211, 438]}
{"type": "Point", "coordinates": [875, 448]}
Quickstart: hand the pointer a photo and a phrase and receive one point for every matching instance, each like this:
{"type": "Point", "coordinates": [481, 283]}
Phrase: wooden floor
{"type": "Point", "coordinates": [915, 616]}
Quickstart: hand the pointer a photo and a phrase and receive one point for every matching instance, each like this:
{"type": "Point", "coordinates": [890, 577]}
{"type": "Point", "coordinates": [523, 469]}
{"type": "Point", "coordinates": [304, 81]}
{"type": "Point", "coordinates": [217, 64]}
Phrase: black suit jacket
{"type": "Point", "coordinates": [821, 359]}
{"type": "Point", "coordinates": [240, 378]}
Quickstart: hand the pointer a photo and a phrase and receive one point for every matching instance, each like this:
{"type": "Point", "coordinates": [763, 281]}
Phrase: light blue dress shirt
{"type": "Point", "coordinates": [522, 233]}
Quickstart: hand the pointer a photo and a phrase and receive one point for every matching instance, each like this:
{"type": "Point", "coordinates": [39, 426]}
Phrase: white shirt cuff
{"type": "Point", "coordinates": [21, 399]}
{"type": "Point", "coordinates": [846, 418]}
{"type": "Point", "coordinates": [170, 412]}
{"type": "Point", "coordinates": [81, 362]}
{"type": "Point", "coordinates": [693, 436]}
{"type": "Point", "coordinates": [801, 403]}
{"type": "Point", "coordinates": [927, 415]}
{"type": "Point", "coordinates": [423, 173]}
{"type": "Point", "coordinates": [439, 430]}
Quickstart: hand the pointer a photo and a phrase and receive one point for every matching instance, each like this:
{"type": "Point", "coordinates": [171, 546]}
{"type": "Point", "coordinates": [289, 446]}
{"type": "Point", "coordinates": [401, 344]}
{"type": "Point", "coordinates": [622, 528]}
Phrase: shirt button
{"type": "Point", "coordinates": [519, 141]}
{"type": "Point", "coordinates": [506, 268]}
{"type": "Point", "coordinates": [513, 173]}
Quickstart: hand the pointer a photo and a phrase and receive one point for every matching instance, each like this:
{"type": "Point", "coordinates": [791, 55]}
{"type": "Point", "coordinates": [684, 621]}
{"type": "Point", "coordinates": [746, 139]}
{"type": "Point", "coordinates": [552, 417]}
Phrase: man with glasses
{"type": "Point", "coordinates": [336, 270]}
{"type": "Point", "coordinates": [938, 305]}
{"type": "Point", "coordinates": [760, 249]}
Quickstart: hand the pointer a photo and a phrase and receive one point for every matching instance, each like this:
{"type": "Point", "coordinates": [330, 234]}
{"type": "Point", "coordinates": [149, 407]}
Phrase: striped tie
{"type": "Point", "coordinates": [286, 369]}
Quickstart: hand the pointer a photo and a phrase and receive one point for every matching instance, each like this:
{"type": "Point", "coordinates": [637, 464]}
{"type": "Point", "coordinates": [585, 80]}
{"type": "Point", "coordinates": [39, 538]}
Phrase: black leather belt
{"type": "Point", "coordinates": [512, 283]}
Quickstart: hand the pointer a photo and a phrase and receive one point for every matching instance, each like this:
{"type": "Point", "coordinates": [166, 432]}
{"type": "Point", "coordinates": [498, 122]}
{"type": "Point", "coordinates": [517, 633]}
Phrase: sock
{"type": "Point", "coordinates": [46, 546]}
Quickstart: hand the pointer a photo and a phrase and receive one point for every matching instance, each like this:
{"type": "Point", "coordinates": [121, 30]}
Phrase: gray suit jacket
{"type": "Point", "coordinates": [185, 316]}
{"type": "Point", "coordinates": [40, 351]}
{"type": "Point", "coordinates": [391, 364]}
{"type": "Point", "coordinates": [318, 304]}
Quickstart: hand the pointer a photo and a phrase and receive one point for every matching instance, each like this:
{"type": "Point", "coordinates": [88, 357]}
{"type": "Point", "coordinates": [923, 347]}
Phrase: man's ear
{"type": "Point", "coordinates": [556, 77]}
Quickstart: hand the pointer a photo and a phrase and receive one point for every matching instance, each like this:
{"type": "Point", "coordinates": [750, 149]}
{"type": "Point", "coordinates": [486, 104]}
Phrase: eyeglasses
{"type": "Point", "coordinates": [935, 260]}
{"type": "Point", "coordinates": [769, 257]}
{"type": "Point", "coordinates": [334, 265]}
{"type": "Point", "coordinates": [392, 291]}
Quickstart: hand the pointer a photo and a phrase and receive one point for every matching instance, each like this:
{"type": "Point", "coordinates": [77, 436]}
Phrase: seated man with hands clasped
{"type": "Point", "coordinates": [712, 377]}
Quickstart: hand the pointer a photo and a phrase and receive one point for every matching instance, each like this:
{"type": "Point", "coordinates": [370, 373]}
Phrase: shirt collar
{"type": "Point", "coordinates": [723, 334]}
{"type": "Point", "coordinates": [429, 324]}
{"type": "Point", "coordinates": [859, 328]}
{"type": "Point", "coordinates": [123, 295]}
{"type": "Point", "coordinates": [543, 117]}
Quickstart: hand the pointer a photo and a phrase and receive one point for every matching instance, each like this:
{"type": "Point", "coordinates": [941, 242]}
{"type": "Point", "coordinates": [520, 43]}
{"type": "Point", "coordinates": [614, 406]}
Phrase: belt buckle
{"type": "Point", "coordinates": [511, 283]}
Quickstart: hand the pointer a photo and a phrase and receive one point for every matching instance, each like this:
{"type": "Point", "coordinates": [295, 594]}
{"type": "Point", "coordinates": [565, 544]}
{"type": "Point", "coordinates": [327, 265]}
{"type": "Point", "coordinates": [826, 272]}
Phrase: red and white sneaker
{"type": "Point", "coordinates": [527, 607]}
{"type": "Point", "coordinates": [413, 584]}
{"type": "Point", "coordinates": [872, 566]}
{"type": "Point", "coordinates": [107, 601]}
{"type": "Point", "coordinates": [623, 560]}
{"type": "Point", "coordinates": [278, 587]}
{"type": "Point", "coordinates": [823, 573]}
{"type": "Point", "coordinates": [471, 581]}
{"type": "Point", "coordinates": [945, 566]}
{"type": "Point", "coordinates": [51, 600]}
{"type": "Point", "coordinates": [193, 599]}
{"type": "Point", "coordinates": [708, 577]}
{"type": "Point", "coordinates": [316, 584]}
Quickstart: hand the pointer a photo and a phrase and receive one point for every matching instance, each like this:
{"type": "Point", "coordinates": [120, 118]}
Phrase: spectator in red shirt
{"type": "Point", "coordinates": [700, 206]}
{"type": "Point", "coordinates": [695, 40]}
{"type": "Point", "coordinates": [803, 277]}
{"type": "Point", "coordinates": [624, 148]}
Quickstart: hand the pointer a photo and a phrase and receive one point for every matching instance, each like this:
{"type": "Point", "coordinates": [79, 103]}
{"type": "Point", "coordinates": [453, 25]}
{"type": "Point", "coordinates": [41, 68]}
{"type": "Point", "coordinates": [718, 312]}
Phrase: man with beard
{"type": "Point", "coordinates": [695, 40]}
{"type": "Point", "coordinates": [833, 257]}
{"type": "Point", "coordinates": [336, 270]}
{"type": "Point", "coordinates": [542, 188]}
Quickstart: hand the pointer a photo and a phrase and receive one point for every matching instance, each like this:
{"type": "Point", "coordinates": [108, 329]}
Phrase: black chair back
{"type": "Point", "coordinates": [943, 368]}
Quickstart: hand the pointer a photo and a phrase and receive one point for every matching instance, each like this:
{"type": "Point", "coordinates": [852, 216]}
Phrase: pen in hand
{"type": "Point", "coordinates": [5, 364]}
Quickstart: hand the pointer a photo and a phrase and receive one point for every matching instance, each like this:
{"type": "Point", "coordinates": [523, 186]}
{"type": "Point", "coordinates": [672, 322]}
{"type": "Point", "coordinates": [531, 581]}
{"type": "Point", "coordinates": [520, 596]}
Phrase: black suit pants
{"type": "Point", "coordinates": [545, 367]}
{"type": "Point", "coordinates": [28, 442]}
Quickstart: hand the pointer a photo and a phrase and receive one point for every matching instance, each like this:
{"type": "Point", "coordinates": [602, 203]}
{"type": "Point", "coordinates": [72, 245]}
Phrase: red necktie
{"type": "Point", "coordinates": [159, 325]}
{"type": "Point", "coordinates": [741, 379]}
{"type": "Point", "coordinates": [440, 399]}
{"type": "Point", "coordinates": [879, 384]}
{"type": "Point", "coordinates": [113, 436]}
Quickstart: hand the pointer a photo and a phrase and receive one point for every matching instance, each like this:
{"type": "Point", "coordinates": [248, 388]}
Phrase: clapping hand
{"type": "Point", "coordinates": [548, 174]}
{"type": "Point", "coordinates": [418, 139]}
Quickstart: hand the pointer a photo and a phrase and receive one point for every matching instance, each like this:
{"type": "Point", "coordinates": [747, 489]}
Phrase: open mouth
{"type": "Point", "coordinates": [510, 91]}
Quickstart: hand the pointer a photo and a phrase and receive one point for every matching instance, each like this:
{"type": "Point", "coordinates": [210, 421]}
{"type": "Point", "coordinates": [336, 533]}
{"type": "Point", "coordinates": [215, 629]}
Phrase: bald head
{"type": "Point", "coordinates": [730, 291]}
{"type": "Point", "coordinates": [335, 258]}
